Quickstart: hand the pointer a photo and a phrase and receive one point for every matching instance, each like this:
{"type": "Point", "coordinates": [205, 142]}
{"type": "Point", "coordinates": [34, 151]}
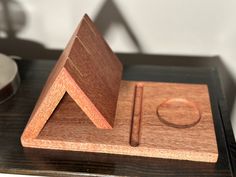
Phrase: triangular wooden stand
{"type": "Point", "coordinates": [85, 106]}
{"type": "Point", "coordinates": [87, 68]}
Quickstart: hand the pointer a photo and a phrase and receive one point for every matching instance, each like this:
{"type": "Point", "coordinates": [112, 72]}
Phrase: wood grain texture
{"type": "Point", "coordinates": [89, 72]}
{"type": "Point", "coordinates": [15, 113]}
{"type": "Point", "coordinates": [70, 129]}
{"type": "Point", "coordinates": [179, 113]}
{"type": "Point", "coordinates": [86, 82]}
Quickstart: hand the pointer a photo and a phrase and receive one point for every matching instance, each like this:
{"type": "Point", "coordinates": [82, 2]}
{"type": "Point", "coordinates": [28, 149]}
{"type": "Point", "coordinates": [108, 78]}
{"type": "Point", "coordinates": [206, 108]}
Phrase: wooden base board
{"type": "Point", "coordinates": [164, 120]}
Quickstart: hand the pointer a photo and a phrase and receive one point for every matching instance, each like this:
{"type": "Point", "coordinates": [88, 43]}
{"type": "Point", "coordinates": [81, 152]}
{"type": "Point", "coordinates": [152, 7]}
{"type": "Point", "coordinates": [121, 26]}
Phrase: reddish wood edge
{"type": "Point", "coordinates": [123, 150]}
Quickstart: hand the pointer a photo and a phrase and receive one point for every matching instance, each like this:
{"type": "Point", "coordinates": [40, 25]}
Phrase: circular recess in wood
{"type": "Point", "coordinates": [178, 113]}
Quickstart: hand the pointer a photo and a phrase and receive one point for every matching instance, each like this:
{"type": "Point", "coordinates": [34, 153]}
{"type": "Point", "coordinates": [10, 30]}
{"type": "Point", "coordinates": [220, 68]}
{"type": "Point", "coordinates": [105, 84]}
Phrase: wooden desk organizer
{"type": "Point", "coordinates": [85, 106]}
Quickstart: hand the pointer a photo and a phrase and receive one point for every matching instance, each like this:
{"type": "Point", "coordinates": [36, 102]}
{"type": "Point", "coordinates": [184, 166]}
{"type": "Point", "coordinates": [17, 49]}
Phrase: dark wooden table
{"type": "Point", "coordinates": [15, 112]}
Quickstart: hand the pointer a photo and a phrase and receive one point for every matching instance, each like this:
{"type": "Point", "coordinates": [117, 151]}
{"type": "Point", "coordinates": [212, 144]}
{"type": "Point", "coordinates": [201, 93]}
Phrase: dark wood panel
{"type": "Point", "coordinates": [14, 115]}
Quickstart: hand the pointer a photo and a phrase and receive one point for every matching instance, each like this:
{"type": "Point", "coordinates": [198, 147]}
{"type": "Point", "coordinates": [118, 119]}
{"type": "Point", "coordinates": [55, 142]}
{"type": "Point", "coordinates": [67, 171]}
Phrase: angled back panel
{"type": "Point", "coordinates": [95, 69]}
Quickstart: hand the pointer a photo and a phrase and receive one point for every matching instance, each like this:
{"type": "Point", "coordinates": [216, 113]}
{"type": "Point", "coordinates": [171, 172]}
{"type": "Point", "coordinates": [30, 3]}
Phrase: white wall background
{"type": "Point", "coordinates": [192, 27]}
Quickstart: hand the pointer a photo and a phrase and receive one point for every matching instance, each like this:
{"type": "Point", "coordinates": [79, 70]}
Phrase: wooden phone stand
{"type": "Point", "coordinates": [85, 106]}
